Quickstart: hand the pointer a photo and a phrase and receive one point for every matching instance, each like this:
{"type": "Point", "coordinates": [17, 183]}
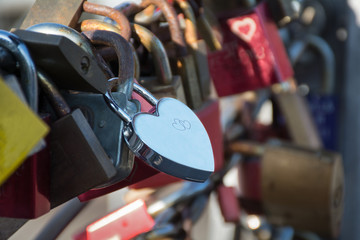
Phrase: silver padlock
{"type": "Point", "coordinates": [172, 140]}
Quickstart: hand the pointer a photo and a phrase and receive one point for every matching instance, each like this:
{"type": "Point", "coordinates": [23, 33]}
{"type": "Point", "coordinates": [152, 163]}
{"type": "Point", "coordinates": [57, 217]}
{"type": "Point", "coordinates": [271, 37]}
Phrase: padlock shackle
{"type": "Point", "coordinates": [190, 21]}
{"type": "Point", "coordinates": [125, 58]}
{"type": "Point", "coordinates": [112, 13]}
{"type": "Point", "coordinates": [29, 81]}
{"type": "Point", "coordinates": [75, 37]}
{"type": "Point", "coordinates": [145, 16]}
{"type": "Point", "coordinates": [118, 110]}
{"type": "Point", "coordinates": [174, 25]}
{"type": "Point", "coordinates": [56, 100]}
{"type": "Point", "coordinates": [148, 15]}
{"type": "Point", "coordinates": [65, 31]}
{"type": "Point", "coordinates": [323, 48]}
{"type": "Point", "coordinates": [157, 50]}
{"type": "Point", "coordinates": [94, 24]}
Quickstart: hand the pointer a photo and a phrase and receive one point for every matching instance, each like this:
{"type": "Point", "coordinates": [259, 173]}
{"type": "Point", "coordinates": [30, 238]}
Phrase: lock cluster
{"type": "Point", "coordinates": [191, 99]}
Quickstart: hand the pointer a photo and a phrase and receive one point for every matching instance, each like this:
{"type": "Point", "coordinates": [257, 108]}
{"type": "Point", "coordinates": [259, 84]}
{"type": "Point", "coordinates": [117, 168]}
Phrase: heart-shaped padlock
{"type": "Point", "coordinates": [172, 140]}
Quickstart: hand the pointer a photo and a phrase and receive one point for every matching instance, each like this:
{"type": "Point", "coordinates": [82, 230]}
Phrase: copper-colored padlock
{"type": "Point", "coordinates": [300, 187]}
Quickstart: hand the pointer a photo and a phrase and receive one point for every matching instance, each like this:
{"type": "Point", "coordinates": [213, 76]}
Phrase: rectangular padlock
{"type": "Point", "coordinates": [298, 119]}
{"type": "Point", "coordinates": [139, 172]}
{"type": "Point", "coordinates": [229, 204]}
{"type": "Point", "coordinates": [108, 128]}
{"type": "Point", "coordinates": [316, 202]}
{"type": "Point", "coordinates": [78, 161]}
{"type": "Point", "coordinates": [253, 54]}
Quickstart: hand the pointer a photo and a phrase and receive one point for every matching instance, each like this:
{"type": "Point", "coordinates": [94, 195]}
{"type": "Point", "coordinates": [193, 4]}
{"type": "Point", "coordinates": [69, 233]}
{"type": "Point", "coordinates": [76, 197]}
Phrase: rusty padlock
{"type": "Point", "coordinates": [181, 62]}
{"type": "Point", "coordinates": [165, 84]}
{"type": "Point", "coordinates": [300, 187]}
{"type": "Point", "coordinates": [253, 55]}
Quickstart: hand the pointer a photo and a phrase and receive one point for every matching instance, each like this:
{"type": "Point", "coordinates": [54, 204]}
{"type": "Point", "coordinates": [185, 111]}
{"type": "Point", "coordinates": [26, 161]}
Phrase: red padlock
{"type": "Point", "coordinates": [125, 223]}
{"type": "Point", "coordinates": [229, 204]}
{"type": "Point", "coordinates": [253, 54]}
{"type": "Point", "coordinates": [249, 173]}
{"type": "Point", "coordinates": [26, 193]}
{"type": "Point", "coordinates": [209, 115]}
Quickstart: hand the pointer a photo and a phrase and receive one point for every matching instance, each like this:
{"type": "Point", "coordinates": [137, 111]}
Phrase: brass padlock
{"type": "Point", "coordinates": [300, 187]}
{"type": "Point", "coordinates": [298, 119]}
{"type": "Point", "coordinates": [303, 188]}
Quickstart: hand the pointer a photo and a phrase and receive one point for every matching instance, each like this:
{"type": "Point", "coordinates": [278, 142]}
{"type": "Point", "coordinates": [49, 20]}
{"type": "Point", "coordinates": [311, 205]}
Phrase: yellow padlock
{"type": "Point", "coordinates": [20, 131]}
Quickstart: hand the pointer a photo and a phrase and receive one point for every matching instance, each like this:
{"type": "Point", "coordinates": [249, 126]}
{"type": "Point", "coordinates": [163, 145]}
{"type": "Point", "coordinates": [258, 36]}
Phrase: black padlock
{"type": "Point", "coordinates": [69, 65]}
{"type": "Point", "coordinates": [78, 161]}
{"type": "Point", "coordinates": [107, 126]}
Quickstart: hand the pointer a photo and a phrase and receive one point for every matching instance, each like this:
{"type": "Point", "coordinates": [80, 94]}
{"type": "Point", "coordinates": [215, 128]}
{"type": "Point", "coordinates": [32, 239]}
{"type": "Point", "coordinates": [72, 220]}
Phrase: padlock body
{"type": "Point", "coordinates": [298, 119]}
{"type": "Point", "coordinates": [108, 128]}
{"type": "Point", "coordinates": [26, 194]}
{"type": "Point", "coordinates": [209, 115]}
{"type": "Point", "coordinates": [249, 174]}
{"type": "Point", "coordinates": [78, 161]}
{"type": "Point", "coordinates": [253, 55]}
{"type": "Point", "coordinates": [229, 204]}
{"type": "Point", "coordinates": [139, 172]}
{"type": "Point", "coordinates": [303, 188]}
